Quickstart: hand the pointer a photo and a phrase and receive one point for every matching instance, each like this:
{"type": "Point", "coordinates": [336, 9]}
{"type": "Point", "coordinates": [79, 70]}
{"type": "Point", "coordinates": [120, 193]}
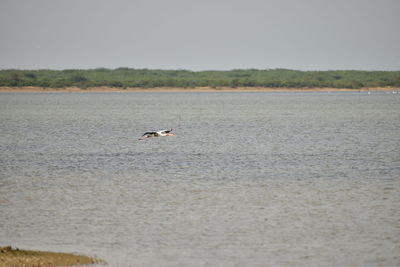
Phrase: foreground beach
{"type": "Point", "coordinates": [10, 257]}
{"type": "Point", "coordinates": [192, 89]}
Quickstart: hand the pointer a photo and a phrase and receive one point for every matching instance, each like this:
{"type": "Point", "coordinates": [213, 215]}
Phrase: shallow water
{"type": "Point", "coordinates": [251, 179]}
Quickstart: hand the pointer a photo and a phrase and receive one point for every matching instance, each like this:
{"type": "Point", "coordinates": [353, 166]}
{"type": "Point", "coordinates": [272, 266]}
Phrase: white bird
{"type": "Point", "coordinates": [156, 134]}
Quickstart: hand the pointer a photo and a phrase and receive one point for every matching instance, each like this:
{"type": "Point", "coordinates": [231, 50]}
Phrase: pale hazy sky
{"type": "Point", "coordinates": [200, 34]}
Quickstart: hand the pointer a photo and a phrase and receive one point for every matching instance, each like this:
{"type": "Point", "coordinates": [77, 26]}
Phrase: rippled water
{"type": "Point", "coordinates": [251, 179]}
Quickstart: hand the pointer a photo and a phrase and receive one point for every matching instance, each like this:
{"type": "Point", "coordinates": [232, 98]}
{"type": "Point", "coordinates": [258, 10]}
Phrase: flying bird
{"type": "Point", "coordinates": [156, 134]}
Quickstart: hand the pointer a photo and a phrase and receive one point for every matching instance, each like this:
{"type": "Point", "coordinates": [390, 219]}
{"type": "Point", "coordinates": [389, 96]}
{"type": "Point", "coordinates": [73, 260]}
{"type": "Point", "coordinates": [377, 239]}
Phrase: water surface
{"type": "Point", "coordinates": [251, 179]}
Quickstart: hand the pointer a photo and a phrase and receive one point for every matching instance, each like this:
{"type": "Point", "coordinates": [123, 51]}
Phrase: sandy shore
{"type": "Point", "coordinates": [13, 257]}
{"type": "Point", "coordinates": [195, 89]}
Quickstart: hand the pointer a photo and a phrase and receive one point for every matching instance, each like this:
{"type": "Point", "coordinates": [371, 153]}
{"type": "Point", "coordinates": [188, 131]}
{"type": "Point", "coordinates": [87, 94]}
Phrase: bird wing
{"type": "Point", "coordinates": [149, 133]}
{"type": "Point", "coordinates": [164, 131]}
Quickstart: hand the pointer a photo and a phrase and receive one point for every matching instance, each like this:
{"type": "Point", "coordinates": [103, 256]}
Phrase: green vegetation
{"type": "Point", "coordinates": [144, 78]}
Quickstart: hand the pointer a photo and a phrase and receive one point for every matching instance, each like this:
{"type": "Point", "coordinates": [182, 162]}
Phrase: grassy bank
{"type": "Point", "coordinates": [33, 89]}
{"type": "Point", "coordinates": [10, 257]}
{"type": "Point", "coordinates": [145, 78]}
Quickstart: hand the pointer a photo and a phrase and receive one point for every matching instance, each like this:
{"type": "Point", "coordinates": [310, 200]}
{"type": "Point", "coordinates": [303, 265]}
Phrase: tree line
{"type": "Point", "coordinates": [148, 78]}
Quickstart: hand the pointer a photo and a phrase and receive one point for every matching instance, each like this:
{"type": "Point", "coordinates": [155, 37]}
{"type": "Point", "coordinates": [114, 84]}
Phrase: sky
{"type": "Point", "coordinates": [200, 34]}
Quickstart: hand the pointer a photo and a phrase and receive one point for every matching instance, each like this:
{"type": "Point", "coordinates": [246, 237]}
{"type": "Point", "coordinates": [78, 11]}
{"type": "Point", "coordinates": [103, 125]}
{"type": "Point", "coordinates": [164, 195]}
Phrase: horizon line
{"type": "Point", "coordinates": [189, 70]}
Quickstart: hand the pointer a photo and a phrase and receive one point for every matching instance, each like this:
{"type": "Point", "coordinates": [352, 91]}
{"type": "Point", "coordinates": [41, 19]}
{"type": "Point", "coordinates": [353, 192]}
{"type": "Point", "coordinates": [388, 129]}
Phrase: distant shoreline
{"type": "Point", "coordinates": [33, 89]}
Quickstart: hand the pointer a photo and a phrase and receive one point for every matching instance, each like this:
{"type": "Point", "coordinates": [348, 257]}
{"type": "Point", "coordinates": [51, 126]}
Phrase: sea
{"type": "Point", "coordinates": [249, 179]}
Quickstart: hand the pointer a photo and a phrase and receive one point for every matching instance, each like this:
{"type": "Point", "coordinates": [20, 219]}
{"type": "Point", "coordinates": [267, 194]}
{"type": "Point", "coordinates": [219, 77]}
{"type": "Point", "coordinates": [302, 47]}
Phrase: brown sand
{"type": "Point", "coordinates": [195, 89]}
{"type": "Point", "coordinates": [10, 257]}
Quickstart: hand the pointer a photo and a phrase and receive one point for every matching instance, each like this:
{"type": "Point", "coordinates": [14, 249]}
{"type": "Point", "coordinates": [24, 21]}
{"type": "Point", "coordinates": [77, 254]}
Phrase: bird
{"type": "Point", "coordinates": [156, 134]}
